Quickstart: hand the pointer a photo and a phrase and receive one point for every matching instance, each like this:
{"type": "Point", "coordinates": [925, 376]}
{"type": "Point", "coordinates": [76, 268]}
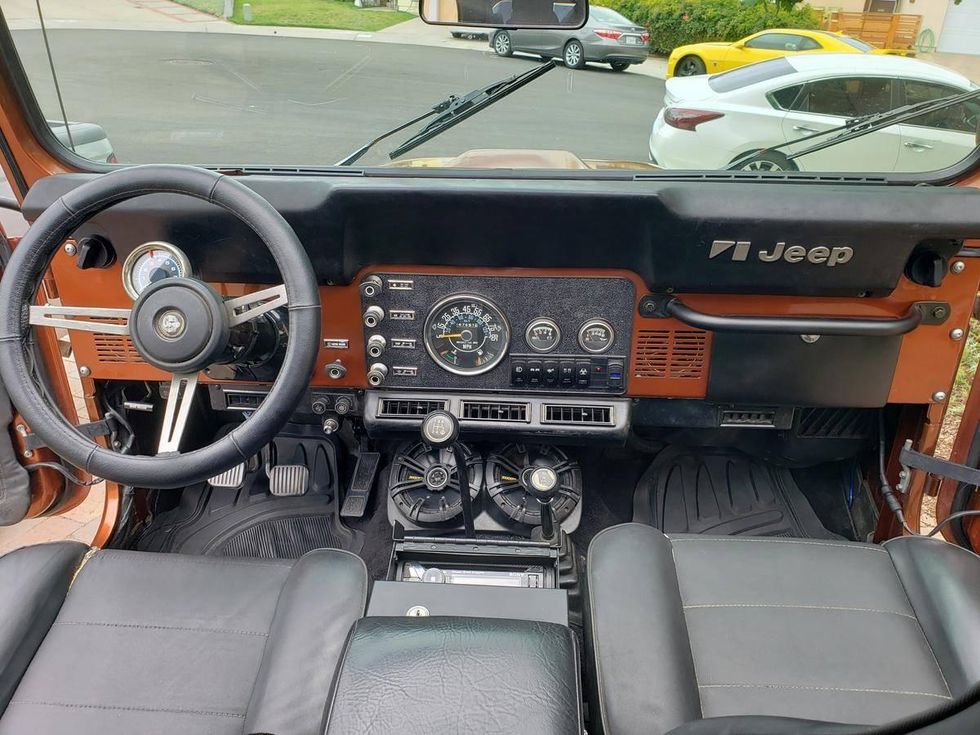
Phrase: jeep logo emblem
{"type": "Point", "coordinates": [819, 255]}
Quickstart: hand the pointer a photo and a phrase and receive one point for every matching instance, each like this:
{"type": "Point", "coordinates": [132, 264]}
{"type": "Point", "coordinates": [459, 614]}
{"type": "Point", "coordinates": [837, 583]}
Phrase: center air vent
{"type": "Point", "coordinates": [115, 348]}
{"type": "Point", "coordinates": [583, 415]}
{"type": "Point", "coordinates": [762, 418]}
{"type": "Point", "coordinates": [677, 354]}
{"type": "Point", "coordinates": [494, 411]}
{"type": "Point", "coordinates": [400, 408]}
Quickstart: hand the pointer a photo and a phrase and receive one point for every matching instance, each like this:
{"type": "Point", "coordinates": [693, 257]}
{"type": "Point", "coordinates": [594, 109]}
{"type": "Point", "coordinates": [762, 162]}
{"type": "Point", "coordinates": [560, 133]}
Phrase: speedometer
{"type": "Point", "coordinates": [152, 262]}
{"type": "Point", "coordinates": [466, 334]}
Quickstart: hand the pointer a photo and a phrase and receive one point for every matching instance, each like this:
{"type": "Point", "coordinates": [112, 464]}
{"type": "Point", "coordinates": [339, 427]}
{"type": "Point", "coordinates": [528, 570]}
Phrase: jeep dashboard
{"type": "Point", "coordinates": [522, 298]}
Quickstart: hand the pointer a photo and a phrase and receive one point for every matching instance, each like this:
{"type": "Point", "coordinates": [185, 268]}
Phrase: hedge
{"type": "Point", "coordinates": [674, 23]}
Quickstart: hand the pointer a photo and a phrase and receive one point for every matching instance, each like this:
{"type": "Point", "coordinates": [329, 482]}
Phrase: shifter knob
{"type": "Point", "coordinates": [440, 429]}
{"type": "Point", "coordinates": [542, 482]}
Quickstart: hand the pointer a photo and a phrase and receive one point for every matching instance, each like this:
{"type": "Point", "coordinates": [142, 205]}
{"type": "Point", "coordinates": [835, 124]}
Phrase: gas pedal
{"type": "Point", "coordinates": [286, 480]}
{"type": "Point", "coordinates": [359, 492]}
{"type": "Point", "coordinates": [231, 479]}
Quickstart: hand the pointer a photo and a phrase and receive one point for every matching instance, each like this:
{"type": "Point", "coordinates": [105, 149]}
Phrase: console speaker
{"type": "Point", "coordinates": [508, 470]}
{"type": "Point", "coordinates": [423, 482]}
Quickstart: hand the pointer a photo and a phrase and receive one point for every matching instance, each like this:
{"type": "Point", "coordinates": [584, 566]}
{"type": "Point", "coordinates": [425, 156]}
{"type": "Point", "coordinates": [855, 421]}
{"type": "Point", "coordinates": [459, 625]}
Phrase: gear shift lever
{"type": "Point", "coordinates": [542, 483]}
{"type": "Point", "coordinates": [440, 429]}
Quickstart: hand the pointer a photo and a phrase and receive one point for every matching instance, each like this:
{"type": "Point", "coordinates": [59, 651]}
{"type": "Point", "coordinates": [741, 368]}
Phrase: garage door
{"type": "Point", "coordinates": [961, 29]}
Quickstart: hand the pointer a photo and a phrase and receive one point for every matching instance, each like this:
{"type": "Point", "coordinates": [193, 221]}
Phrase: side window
{"type": "Point", "coordinates": [782, 42]}
{"type": "Point", "coordinates": [805, 43]}
{"type": "Point", "coordinates": [787, 97]}
{"type": "Point", "coordinates": [962, 117]}
{"type": "Point", "coordinates": [847, 96]}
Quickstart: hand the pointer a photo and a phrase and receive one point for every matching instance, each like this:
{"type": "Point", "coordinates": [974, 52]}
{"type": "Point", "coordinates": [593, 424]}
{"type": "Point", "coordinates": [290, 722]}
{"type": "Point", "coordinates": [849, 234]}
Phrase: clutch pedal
{"type": "Point", "coordinates": [286, 480]}
{"type": "Point", "coordinates": [232, 479]}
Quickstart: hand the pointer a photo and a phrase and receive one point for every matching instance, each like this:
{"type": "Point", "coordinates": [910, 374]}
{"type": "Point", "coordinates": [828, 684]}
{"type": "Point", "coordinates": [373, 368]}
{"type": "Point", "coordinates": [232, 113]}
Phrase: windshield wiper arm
{"type": "Point", "coordinates": [452, 111]}
{"type": "Point", "coordinates": [469, 104]}
{"type": "Point", "coordinates": [859, 126]}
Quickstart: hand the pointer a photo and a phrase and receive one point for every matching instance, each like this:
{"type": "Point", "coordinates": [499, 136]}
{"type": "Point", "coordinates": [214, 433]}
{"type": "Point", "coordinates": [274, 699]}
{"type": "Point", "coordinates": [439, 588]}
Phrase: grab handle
{"type": "Point", "coordinates": [921, 312]}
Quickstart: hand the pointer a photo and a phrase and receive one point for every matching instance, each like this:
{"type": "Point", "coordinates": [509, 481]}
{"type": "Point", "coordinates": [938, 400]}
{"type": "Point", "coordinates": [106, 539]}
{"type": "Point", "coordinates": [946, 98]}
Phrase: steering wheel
{"type": "Point", "coordinates": [180, 325]}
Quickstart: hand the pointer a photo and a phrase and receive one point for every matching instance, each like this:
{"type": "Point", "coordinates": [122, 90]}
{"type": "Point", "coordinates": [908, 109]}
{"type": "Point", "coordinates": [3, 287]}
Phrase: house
{"type": "Point", "coordinates": [947, 25]}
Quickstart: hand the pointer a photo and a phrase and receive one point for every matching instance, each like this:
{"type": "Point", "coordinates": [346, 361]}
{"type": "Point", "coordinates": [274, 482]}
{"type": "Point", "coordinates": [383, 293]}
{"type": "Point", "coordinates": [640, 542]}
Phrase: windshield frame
{"type": "Point", "coordinates": [14, 74]}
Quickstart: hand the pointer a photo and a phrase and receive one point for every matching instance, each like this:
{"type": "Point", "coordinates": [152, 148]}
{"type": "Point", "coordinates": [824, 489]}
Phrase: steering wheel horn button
{"type": "Point", "coordinates": [170, 324]}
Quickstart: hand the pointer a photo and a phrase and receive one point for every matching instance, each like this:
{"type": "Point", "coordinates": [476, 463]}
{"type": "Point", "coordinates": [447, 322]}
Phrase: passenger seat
{"type": "Point", "coordinates": [692, 627]}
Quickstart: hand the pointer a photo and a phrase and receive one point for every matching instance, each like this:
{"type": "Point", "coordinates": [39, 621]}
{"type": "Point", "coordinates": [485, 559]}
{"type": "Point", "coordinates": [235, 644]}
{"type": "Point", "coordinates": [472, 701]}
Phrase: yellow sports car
{"type": "Point", "coordinates": [709, 58]}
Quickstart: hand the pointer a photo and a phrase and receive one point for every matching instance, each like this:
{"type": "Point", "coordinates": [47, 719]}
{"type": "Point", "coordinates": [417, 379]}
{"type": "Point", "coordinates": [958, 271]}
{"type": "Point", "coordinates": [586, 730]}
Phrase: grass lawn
{"type": "Point", "coordinates": [339, 14]}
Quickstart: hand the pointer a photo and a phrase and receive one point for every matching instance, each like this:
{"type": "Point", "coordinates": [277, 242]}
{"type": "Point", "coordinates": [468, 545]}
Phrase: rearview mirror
{"type": "Point", "coordinates": [506, 13]}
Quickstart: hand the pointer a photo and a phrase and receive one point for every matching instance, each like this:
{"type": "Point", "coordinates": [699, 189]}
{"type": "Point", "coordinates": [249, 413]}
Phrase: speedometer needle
{"type": "Point", "coordinates": [448, 336]}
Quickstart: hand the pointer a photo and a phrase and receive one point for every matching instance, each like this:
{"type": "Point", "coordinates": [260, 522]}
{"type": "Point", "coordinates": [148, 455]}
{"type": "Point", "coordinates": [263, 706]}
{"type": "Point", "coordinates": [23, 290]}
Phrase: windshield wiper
{"type": "Point", "coordinates": [859, 126]}
{"type": "Point", "coordinates": [452, 111]}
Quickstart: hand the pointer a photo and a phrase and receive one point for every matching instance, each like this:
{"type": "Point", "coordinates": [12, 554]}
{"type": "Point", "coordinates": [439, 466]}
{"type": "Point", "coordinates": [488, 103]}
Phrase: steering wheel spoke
{"type": "Point", "coordinates": [242, 308]}
{"type": "Point", "coordinates": [81, 318]}
{"type": "Point", "coordinates": [179, 401]}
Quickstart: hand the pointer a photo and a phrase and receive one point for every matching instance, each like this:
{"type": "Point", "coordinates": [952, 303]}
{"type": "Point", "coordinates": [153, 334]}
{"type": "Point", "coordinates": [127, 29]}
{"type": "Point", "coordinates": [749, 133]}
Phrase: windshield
{"type": "Point", "coordinates": [306, 83]}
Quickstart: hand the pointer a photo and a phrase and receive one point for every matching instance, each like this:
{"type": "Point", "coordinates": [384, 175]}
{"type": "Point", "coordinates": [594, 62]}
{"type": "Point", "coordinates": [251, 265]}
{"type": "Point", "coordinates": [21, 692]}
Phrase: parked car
{"type": "Point", "coordinates": [708, 122]}
{"type": "Point", "coordinates": [607, 37]}
{"type": "Point", "coordinates": [87, 140]}
{"type": "Point", "coordinates": [708, 58]}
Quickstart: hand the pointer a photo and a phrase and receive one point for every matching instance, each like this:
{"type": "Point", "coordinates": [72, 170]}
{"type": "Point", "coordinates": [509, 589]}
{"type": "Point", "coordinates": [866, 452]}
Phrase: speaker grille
{"type": "Point", "coordinates": [675, 354]}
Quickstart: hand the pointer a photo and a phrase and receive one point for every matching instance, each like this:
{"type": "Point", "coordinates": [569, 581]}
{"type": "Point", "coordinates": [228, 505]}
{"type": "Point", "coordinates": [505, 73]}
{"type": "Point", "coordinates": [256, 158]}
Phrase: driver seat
{"type": "Point", "coordinates": [103, 642]}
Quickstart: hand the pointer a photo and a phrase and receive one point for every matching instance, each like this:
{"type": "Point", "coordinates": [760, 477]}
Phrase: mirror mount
{"type": "Point", "coordinates": [506, 14]}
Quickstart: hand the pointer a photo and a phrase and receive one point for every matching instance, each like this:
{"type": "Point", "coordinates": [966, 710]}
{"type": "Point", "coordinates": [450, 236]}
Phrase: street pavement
{"type": "Point", "coordinates": [185, 96]}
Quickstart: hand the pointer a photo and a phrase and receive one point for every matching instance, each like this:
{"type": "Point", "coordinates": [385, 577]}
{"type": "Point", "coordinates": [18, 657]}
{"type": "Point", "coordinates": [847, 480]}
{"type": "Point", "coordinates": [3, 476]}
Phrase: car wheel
{"type": "Point", "coordinates": [574, 55]}
{"type": "Point", "coordinates": [619, 65]}
{"type": "Point", "coordinates": [689, 66]}
{"type": "Point", "coordinates": [501, 44]}
{"type": "Point", "coordinates": [769, 161]}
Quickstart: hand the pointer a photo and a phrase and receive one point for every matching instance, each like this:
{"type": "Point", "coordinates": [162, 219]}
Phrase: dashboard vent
{"type": "Point", "coordinates": [494, 411]}
{"type": "Point", "coordinates": [400, 408]}
{"type": "Point", "coordinates": [836, 423]}
{"type": "Point", "coordinates": [678, 354]}
{"type": "Point", "coordinates": [760, 418]}
{"type": "Point", "coordinates": [115, 348]}
{"type": "Point", "coordinates": [583, 415]}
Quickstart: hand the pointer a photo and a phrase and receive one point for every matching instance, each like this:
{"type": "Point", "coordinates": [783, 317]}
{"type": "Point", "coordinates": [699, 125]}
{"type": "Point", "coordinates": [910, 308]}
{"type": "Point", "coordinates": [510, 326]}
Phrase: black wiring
{"type": "Point", "coordinates": [60, 469]}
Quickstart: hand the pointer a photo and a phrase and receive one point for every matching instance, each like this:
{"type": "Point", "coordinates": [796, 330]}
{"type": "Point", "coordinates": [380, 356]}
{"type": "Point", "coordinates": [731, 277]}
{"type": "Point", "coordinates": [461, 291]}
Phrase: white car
{"type": "Point", "coordinates": [708, 122]}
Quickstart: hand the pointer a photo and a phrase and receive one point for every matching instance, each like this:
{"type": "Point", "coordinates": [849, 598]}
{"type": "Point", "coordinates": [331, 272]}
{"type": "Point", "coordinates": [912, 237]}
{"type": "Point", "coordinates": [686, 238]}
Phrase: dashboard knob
{"type": "Point", "coordinates": [376, 345]}
{"type": "Point", "coordinates": [377, 374]}
{"type": "Point", "coordinates": [343, 405]}
{"type": "Point", "coordinates": [336, 370]}
{"type": "Point", "coordinates": [373, 316]}
{"type": "Point", "coordinates": [371, 287]}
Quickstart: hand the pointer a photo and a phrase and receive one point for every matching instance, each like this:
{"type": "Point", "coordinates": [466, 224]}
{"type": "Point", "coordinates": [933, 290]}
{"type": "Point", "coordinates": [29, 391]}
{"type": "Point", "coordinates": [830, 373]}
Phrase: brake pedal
{"type": "Point", "coordinates": [287, 480]}
{"type": "Point", "coordinates": [231, 479]}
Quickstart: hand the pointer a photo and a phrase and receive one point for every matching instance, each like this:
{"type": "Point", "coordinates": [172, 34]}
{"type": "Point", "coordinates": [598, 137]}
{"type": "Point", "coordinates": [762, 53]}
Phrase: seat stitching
{"type": "Point", "coordinates": [73, 705]}
{"type": "Point", "coordinates": [161, 627]}
{"type": "Point", "coordinates": [174, 558]}
{"type": "Point", "coordinates": [822, 689]}
{"type": "Point", "coordinates": [863, 547]}
{"type": "Point", "coordinates": [925, 638]}
{"type": "Point", "coordinates": [804, 607]}
{"type": "Point", "coordinates": [690, 640]}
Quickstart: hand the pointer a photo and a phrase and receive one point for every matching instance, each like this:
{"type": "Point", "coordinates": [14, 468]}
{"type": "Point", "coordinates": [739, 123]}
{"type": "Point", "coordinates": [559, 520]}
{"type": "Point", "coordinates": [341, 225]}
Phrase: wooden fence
{"type": "Point", "coordinates": [881, 30]}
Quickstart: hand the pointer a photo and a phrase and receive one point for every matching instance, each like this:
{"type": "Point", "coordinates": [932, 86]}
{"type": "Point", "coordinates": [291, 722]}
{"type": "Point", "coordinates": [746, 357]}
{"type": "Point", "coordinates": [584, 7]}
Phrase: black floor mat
{"type": "Point", "coordinates": [250, 522]}
{"type": "Point", "coordinates": [723, 492]}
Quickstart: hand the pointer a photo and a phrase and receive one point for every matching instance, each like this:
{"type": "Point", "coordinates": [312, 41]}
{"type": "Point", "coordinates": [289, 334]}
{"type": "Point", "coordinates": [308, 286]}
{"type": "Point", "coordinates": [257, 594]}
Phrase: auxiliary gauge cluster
{"type": "Point", "coordinates": [497, 332]}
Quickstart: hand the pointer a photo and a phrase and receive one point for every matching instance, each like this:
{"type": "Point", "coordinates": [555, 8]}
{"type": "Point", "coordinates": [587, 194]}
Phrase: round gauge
{"type": "Point", "coordinates": [542, 335]}
{"type": "Point", "coordinates": [466, 334]}
{"type": "Point", "coordinates": [596, 336]}
{"type": "Point", "coordinates": [152, 262]}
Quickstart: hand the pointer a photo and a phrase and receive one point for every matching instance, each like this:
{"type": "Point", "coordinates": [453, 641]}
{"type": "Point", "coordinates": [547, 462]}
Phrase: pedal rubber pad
{"type": "Point", "coordinates": [359, 492]}
{"type": "Point", "coordinates": [233, 478]}
{"type": "Point", "coordinates": [288, 479]}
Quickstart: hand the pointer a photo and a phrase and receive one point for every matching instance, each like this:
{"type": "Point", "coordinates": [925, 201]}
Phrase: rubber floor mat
{"type": "Point", "coordinates": [722, 492]}
{"type": "Point", "coordinates": [250, 522]}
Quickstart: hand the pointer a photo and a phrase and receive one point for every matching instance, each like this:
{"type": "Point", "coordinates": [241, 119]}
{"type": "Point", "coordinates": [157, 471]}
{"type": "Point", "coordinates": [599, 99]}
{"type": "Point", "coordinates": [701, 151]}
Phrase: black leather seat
{"type": "Point", "coordinates": [694, 627]}
{"type": "Point", "coordinates": [131, 642]}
